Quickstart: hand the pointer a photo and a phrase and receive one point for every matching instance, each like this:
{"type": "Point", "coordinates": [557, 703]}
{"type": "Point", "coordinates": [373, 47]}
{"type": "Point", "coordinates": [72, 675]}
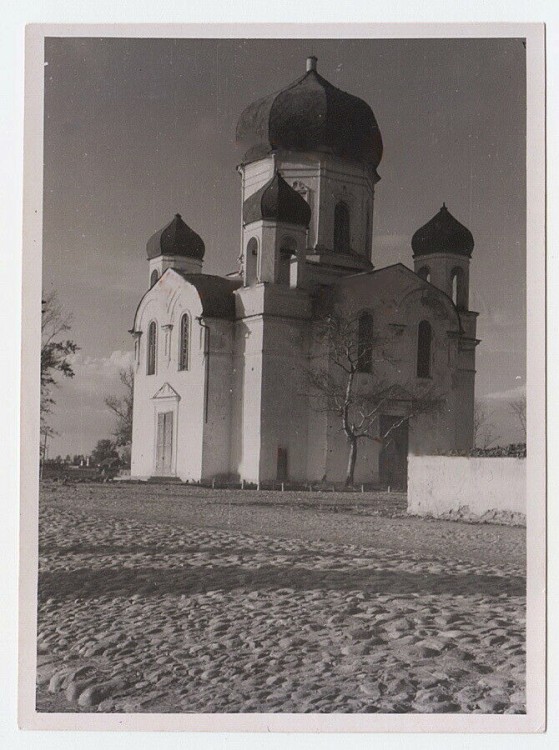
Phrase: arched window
{"type": "Point", "coordinates": [152, 348]}
{"type": "Point", "coordinates": [251, 261]}
{"type": "Point", "coordinates": [288, 249]}
{"type": "Point", "coordinates": [154, 277]}
{"type": "Point", "coordinates": [341, 228]}
{"type": "Point", "coordinates": [424, 336]}
{"type": "Point", "coordinates": [365, 343]}
{"type": "Point", "coordinates": [424, 273]}
{"type": "Point", "coordinates": [458, 288]}
{"type": "Point", "coordinates": [252, 247]}
{"type": "Point", "coordinates": [184, 342]}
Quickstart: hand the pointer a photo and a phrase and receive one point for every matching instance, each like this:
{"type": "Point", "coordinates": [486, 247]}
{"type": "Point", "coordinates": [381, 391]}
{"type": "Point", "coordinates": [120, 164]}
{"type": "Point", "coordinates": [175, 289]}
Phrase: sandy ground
{"type": "Point", "coordinates": [177, 599]}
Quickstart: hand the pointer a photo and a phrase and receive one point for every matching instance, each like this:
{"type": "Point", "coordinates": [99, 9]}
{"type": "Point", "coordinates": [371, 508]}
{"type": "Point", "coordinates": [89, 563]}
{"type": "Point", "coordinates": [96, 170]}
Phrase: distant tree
{"type": "Point", "coordinates": [359, 404]}
{"type": "Point", "coordinates": [56, 353]}
{"type": "Point", "coordinates": [517, 407]}
{"type": "Point", "coordinates": [122, 408]}
{"type": "Point", "coordinates": [484, 428]}
{"type": "Point", "coordinates": [103, 451]}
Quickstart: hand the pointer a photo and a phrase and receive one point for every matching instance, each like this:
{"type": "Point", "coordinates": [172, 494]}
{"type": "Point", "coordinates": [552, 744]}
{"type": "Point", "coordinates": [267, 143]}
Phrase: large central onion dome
{"type": "Point", "coordinates": [311, 115]}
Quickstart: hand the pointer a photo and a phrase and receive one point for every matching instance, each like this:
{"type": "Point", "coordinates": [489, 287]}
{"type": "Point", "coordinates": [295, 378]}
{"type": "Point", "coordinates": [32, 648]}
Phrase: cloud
{"type": "Point", "coordinates": [90, 370]}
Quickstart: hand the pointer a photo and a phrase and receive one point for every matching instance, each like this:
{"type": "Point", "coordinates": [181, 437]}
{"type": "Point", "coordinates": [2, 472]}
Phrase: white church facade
{"type": "Point", "coordinates": [221, 386]}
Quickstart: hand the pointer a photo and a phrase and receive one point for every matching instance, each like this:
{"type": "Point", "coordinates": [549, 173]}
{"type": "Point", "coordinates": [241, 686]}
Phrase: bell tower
{"type": "Point", "coordinates": [308, 178]}
{"type": "Point", "coordinates": [327, 145]}
{"type": "Point", "coordinates": [272, 314]}
{"type": "Point", "coordinates": [442, 249]}
{"type": "Point", "coordinates": [274, 236]}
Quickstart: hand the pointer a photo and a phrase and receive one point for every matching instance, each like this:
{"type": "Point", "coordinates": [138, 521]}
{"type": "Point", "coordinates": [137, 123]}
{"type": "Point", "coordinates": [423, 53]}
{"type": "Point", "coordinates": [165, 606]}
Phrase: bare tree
{"type": "Point", "coordinates": [122, 407]}
{"type": "Point", "coordinates": [56, 353]}
{"type": "Point", "coordinates": [484, 428]}
{"type": "Point", "coordinates": [518, 408]}
{"type": "Point", "coordinates": [359, 402]}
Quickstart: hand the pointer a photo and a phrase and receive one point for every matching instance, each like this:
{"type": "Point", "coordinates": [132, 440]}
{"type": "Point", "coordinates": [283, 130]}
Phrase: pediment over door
{"type": "Point", "coordinates": [168, 392]}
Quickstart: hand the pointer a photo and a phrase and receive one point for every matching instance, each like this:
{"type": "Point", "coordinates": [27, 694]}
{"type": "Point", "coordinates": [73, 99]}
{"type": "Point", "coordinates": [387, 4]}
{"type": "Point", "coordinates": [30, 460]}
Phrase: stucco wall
{"type": "Point", "coordinates": [216, 458]}
{"type": "Point", "coordinates": [438, 484]}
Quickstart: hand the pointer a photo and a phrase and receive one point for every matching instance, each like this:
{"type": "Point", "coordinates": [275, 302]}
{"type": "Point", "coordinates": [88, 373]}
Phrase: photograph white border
{"type": "Point", "coordinates": [534, 720]}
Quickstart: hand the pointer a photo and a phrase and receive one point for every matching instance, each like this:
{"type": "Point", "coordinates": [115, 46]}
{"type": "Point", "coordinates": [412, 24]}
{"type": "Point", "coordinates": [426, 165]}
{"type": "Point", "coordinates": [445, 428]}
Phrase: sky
{"type": "Point", "coordinates": [137, 130]}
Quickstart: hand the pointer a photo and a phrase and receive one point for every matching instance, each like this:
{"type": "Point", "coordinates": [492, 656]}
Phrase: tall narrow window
{"type": "Point", "coordinates": [251, 261]}
{"type": "Point", "coordinates": [459, 288]}
{"type": "Point", "coordinates": [288, 250]}
{"type": "Point", "coordinates": [424, 336]}
{"type": "Point", "coordinates": [284, 266]}
{"type": "Point", "coordinates": [341, 228]}
{"type": "Point", "coordinates": [424, 273]}
{"type": "Point", "coordinates": [184, 342]}
{"type": "Point", "coordinates": [152, 348]}
{"type": "Point", "coordinates": [154, 277]}
{"type": "Point", "coordinates": [365, 343]}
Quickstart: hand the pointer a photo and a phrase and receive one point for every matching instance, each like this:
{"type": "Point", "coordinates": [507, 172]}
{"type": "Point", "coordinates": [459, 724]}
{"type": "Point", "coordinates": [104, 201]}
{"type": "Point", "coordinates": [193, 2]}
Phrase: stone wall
{"type": "Point", "coordinates": [441, 484]}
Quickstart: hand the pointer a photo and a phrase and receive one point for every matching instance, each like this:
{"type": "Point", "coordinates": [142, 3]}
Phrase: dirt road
{"type": "Point", "coordinates": [187, 600]}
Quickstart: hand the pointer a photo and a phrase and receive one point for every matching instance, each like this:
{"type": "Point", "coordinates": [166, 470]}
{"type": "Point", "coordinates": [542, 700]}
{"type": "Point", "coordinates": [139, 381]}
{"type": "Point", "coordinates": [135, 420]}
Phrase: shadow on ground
{"type": "Point", "coordinates": [125, 582]}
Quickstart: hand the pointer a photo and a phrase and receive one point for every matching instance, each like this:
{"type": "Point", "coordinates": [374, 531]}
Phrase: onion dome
{"type": "Point", "coordinates": [277, 201]}
{"type": "Point", "coordinates": [312, 115]}
{"type": "Point", "coordinates": [177, 238]}
{"type": "Point", "coordinates": [443, 234]}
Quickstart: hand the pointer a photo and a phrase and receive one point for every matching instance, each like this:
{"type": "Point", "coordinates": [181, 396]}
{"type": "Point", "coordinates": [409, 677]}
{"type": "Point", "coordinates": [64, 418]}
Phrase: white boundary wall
{"type": "Point", "coordinates": [438, 484]}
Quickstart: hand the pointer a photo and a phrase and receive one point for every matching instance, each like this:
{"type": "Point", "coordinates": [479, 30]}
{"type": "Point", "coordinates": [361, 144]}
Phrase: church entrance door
{"type": "Point", "coordinates": [163, 461]}
{"type": "Point", "coordinates": [393, 459]}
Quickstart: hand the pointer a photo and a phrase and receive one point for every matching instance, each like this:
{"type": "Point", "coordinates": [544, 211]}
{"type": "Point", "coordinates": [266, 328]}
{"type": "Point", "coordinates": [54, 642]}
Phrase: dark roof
{"type": "Point", "coordinates": [216, 293]}
{"type": "Point", "coordinates": [443, 234]}
{"type": "Point", "coordinates": [177, 238]}
{"type": "Point", "coordinates": [312, 115]}
{"type": "Point", "coordinates": [277, 201]}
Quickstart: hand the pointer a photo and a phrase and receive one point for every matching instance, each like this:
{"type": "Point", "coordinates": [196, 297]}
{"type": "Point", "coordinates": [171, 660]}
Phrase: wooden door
{"type": "Point", "coordinates": [164, 457]}
{"type": "Point", "coordinates": [393, 459]}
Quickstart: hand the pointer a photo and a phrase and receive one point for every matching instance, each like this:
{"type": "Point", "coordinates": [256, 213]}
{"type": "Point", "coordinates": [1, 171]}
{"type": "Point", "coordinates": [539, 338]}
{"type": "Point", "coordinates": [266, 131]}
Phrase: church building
{"type": "Point", "coordinates": [222, 387]}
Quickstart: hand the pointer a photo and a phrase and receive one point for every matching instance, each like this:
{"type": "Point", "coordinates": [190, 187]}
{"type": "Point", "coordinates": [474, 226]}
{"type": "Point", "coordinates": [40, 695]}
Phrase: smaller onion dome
{"type": "Point", "coordinates": [277, 201]}
{"type": "Point", "coordinates": [443, 234]}
{"type": "Point", "coordinates": [177, 238]}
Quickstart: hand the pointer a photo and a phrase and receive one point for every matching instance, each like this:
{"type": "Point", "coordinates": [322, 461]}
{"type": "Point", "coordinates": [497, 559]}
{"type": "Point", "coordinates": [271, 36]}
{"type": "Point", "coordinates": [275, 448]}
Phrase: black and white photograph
{"type": "Point", "coordinates": [285, 411]}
